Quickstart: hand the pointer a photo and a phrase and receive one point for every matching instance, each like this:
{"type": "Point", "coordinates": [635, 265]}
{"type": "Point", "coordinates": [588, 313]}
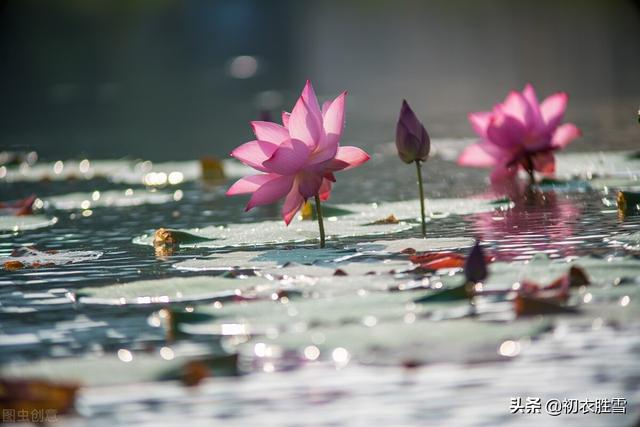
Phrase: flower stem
{"type": "Point", "coordinates": [421, 189]}
{"type": "Point", "coordinates": [532, 178]}
{"type": "Point", "coordinates": [528, 166]}
{"type": "Point", "coordinates": [320, 223]}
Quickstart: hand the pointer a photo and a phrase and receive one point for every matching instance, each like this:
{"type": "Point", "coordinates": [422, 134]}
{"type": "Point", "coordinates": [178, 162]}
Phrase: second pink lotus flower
{"type": "Point", "coordinates": [297, 158]}
{"type": "Point", "coordinates": [520, 133]}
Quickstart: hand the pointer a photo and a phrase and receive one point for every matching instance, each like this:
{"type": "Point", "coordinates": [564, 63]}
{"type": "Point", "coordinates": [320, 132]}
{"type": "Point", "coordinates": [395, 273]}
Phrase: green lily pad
{"type": "Point", "coordinates": [374, 327]}
{"type": "Point", "coordinates": [112, 198]}
{"type": "Point", "coordinates": [67, 169]}
{"type": "Point", "coordinates": [170, 290]}
{"type": "Point", "coordinates": [124, 367]}
{"type": "Point", "coordinates": [361, 223]}
{"type": "Point", "coordinates": [435, 208]}
{"type": "Point", "coordinates": [276, 232]}
{"type": "Point", "coordinates": [557, 185]}
{"type": "Point", "coordinates": [341, 269]}
{"type": "Point", "coordinates": [628, 183]}
{"type": "Point", "coordinates": [329, 211]}
{"type": "Point", "coordinates": [420, 245]}
{"type": "Point", "coordinates": [610, 169]}
{"type": "Point", "coordinates": [597, 163]}
{"type": "Point", "coordinates": [336, 306]}
{"type": "Point", "coordinates": [26, 222]}
{"type": "Point", "coordinates": [619, 303]}
{"type": "Point", "coordinates": [293, 262]}
{"type": "Point", "coordinates": [133, 172]}
{"type": "Point", "coordinates": [356, 314]}
{"type": "Point", "coordinates": [251, 260]}
{"type": "Point", "coordinates": [542, 270]}
{"type": "Point", "coordinates": [630, 241]}
{"type": "Point", "coordinates": [456, 293]}
{"type": "Point", "coordinates": [149, 173]}
{"type": "Point", "coordinates": [420, 341]}
{"type": "Point", "coordinates": [32, 257]}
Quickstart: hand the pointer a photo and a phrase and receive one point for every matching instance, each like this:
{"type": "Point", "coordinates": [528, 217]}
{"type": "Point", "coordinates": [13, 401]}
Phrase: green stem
{"type": "Point", "coordinates": [424, 224]}
{"type": "Point", "coordinates": [320, 223]}
{"type": "Point", "coordinates": [528, 166]}
{"type": "Point", "coordinates": [532, 178]}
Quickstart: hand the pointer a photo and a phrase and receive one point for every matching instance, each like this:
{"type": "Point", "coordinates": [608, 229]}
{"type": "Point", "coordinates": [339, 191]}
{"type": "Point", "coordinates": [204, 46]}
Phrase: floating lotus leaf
{"type": "Point", "coordinates": [629, 240]}
{"type": "Point", "coordinates": [335, 307]}
{"type": "Point", "coordinates": [190, 170]}
{"type": "Point", "coordinates": [363, 222]}
{"type": "Point", "coordinates": [620, 303]}
{"type": "Point", "coordinates": [275, 232]}
{"type": "Point", "coordinates": [110, 369]}
{"type": "Point", "coordinates": [421, 341]}
{"type": "Point", "coordinates": [542, 270]}
{"type": "Point", "coordinates": [341, 269]}
{"type": "Point", "coordinates": [260, 259]}
{"type": "Point", "coordinates": [373, 327]}
{"type": "Point", "coordinates": [118, 171]}
{"type": "Point", "coordinates": [619, 165]}
{"type": "Point", "coordinates": [171, 290]}
{"type": "Point", "coordinates": [410, 209]}
{"type": "Point", "coordinates": [418, 244]}
{"type": "Point", "coordinates": [112, 198]}
{"type": "Point", "coordinates": [25, 222]}
{"type": "Point", "coordinates": [68, 169]}
{"type": "Point", "coordinates": [35, 258]}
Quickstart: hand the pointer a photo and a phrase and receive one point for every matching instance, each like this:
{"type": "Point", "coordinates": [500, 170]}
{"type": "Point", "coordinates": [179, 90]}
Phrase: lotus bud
{"type": "Point", "coordinates": [475, 268]}
{"type": "Point", "coordinates": [412, 139]}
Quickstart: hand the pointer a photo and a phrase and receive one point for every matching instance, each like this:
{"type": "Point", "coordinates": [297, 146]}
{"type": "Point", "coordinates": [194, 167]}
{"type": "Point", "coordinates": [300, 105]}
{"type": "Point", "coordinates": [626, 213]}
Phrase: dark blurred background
{"type": "Point", "coordinates": [171, 79]}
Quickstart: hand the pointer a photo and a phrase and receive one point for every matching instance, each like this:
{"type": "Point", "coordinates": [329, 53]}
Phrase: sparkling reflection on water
{"type": "Point", "coordinates": [43, 322]}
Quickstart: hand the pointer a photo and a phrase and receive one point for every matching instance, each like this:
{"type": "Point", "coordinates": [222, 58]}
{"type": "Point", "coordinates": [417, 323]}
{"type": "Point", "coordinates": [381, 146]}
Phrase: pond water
{"type": "Point", "coordinates": [380, 356]}
{"type": "Point", "coordinates": [269, 339]}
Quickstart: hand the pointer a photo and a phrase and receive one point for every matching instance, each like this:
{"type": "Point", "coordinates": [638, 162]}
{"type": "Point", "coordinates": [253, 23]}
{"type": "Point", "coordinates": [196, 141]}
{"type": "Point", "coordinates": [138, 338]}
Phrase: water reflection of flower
{"type": "Point", "coordinates": [538, 222]}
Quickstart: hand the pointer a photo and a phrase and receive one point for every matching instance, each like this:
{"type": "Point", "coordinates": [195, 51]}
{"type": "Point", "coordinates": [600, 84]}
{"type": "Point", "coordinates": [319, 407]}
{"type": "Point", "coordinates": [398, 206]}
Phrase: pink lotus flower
{"type": "Point", "coordinates": [520, 133]}
{"type": "Point", "coordinates": [299, 158]}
